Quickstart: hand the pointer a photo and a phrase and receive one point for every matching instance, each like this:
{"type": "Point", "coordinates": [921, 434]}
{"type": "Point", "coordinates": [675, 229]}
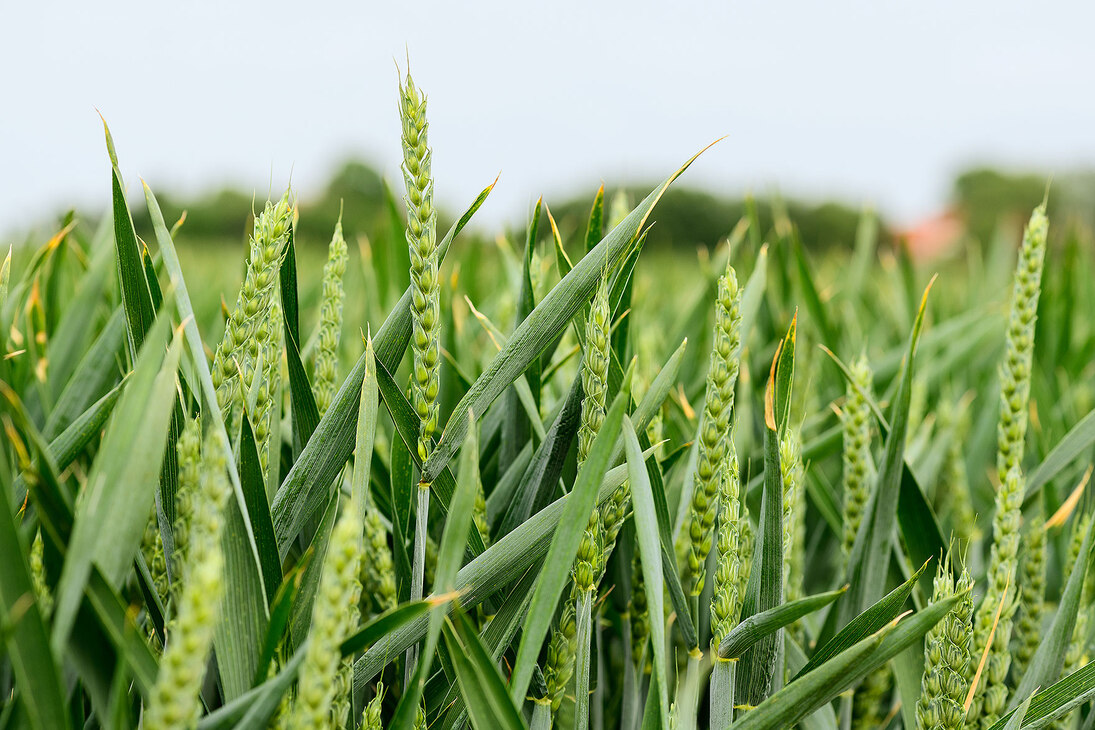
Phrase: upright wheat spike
{"type": "Point", "coordinates": [794, 513]}
{"type": "Point", "coordinates": [330, 320]}
{"type": "Point", "coordinates": [1032, 591]}
{"type": "Point", "coordinates": [238, 349]}
{"type": "Point", "coordinates": [1015, 369]}
{"type": "Point", "coordinates": [268, 391]}
{"type": "Point", "coordinates": [370, 718]}
{"type": "Point", "coordinates": [174, 701]}
{"type": "Point", "coordinates": [858, 467]}
{"type": "Point", "coordinates": [954, 482]}
{"type": "Point", "coordinates": [944, 684]}
{"type": "Point", "coordinates": [189, 451]}
{"type": "Point", "coordinates": [377, 573]}
{"type": "Point", "coordinates": [991, 696]}
{"type": "Point", "coordinates": [589, 560]}
{"type": "Point", "coordinates": [726, 599]}
{"type": "Point", "coordinates": [1076, 655]}
{"type": "Point", "coordinates": [337, 594]}
{"type": "Point", "coordinates": [638, 609]}
{"type": "Point", "coordinates": [38, 575]}
{"type": "Point", "coordinates": [422, 242]}
{"type": "Point", "coordinates": [713, 447]}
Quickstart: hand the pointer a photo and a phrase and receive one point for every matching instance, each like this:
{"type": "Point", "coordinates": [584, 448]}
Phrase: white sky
{"type": "Point", "coordinates": [869, 101]}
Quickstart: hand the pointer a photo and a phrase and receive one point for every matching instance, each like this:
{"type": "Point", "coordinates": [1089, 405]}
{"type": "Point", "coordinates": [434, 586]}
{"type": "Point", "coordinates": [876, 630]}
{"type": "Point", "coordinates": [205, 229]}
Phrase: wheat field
{"type": "Point", "coordinates": [550, 479]}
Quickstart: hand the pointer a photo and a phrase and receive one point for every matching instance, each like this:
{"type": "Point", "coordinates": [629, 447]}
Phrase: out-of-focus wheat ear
{"type": "Point", "coordinates": [858, 465]}
{"type": "Point", "coordinates": [1032, 592]}
{"type": "Point", "coordinates": [189, 456]}
{"type": "Point", "coordinates": [954, 485]}
{"type": "Point", "coordinates": [1077, 654]}
{"type": "Point", "coordinates": [1019, 352]}
{"type": "Point", "coordinates": [794, 512]}
{"type": "Point", "coordinates": [991, 694]}
{"type": "Point", "coordinates": [377, 571]}
{"type": "Point", "coordinates": [174, 700]}
{"type": "Point", "coordinates": [330, 320]}
{"type": "Point", "coordinates": [337, 594]}
{"type": "Point", "coordinates": [38, 575]}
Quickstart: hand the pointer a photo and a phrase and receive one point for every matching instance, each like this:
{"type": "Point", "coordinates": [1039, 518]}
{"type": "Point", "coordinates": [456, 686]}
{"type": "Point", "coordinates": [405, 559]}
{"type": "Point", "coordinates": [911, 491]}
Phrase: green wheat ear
{"type": "Point", "coordinates": [794, 512]}
{"type": "Point", "coordinates": [954, 483]}
{"type": "Point", "coordinates": [714, 433]}
{"type": "Point", "coordinates": [239, 348]}
{"type": "Point", "coordinates": [944, 684]}
{"type": "Point", "coordinates": [422, 242]}
{"type": "Point", "coordinates": [990, 698]}
{"type": "Point", "coordinates": [638, 610]}
{"type": "Point", "coordinates": [377, 571]}
{"type": "Point", "coordinates": [174, 701]}
{"type": "Point", "coordinates": [726, 597]}
{"type": "Point", "coordinates": [330, 320]}
{"type": "Point", "coordinates": [331, 622]}
{"type": "Point", "coordinates": [38, 575]}
{"type": "Point", "coordinates": [858, 467]}
{"type": "Point", "coordinates": [370, 717]}
{"type": "Point", "coordinates": [189, 452]}
{"type": "Point", "coordinates": [1015, 369]}
{"type": "Point", "coordinates": [588, 564]}
{"type": "Point", "coordinates": [1032, 591]}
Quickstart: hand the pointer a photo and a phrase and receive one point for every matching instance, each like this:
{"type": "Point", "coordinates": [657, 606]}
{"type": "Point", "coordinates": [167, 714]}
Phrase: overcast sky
{"type": "Point", "coordinates": [873, 102]}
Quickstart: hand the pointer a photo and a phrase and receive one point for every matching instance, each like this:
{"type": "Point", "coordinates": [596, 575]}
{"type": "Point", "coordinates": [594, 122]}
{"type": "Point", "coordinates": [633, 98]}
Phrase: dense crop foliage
{"type": "Point", "coordinates": [554, 482]}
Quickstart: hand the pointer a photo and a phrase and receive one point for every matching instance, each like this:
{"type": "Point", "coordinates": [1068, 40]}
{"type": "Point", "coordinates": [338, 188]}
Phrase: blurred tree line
{"type": "Point", "coordinates": [984, 199]}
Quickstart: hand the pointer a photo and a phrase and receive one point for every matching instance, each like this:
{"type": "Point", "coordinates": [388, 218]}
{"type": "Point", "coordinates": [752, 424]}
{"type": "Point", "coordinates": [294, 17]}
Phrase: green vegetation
{"type": "Point", "coordinates": [756, 469]}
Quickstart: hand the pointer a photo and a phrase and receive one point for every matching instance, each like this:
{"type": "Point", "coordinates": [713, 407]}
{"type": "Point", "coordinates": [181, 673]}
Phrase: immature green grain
{"type": "Point", "coordinates": [239, 347]}
{"type": "Point", "coordinates": [330, 320]}
{"type": "Point", "coordinates": [638, 610]}
{"type": "Point", "coordinates": [869, 702]}
{"type": "Point", "coordinates": [377, 572]}
{"type": "Point", "coordinates": [725, 599]}
{"type": "Point", "coordinates": [174, 701]}
{"type": "Point", "coordinates": [858, 467]}
{"type": "Point", "coordinates": [152, 550]}
{"type": "Point", "coordinates": [1076, 655]}
{"type": "Point", "coordinates": [990, 698]}
{"type": "Point", "coordinates": [589, 562]}
{"type": "Point", "coordinates": [559, 658]}
{"type": "Point", "coordinates": [189, 451]}
{"type": "Point", "coordinates": [714, 433]}
{"type": "Point", "coordinates": [337, 594]}
{"type": "Point", "coordinates": [1032, 591]}
{"type": "Point", "coordinates": [370, 717]}
{"type": "Point", "coordinates": [745, 549]}
{"type": "Point", "coordinates": [420, 719]}
{"type": "Point", "coordinates": [954, 482]}
{"type": "Point", "coordinates": [794, 513]}
{"type": "Point", "coordinates": [38, 575]}
{"type": "Point", "coordinates": [479, 513]}
{"type": "Point", "coordinates": [1015, 369]}
{"type": "Point", "coordinates": [587, 565]}
{"type": "Point", "coordinates": [944, 684]}
{"type": "Point", "coordinates": [422, 242]}
{"type": "Point", "coordinates": [268, 335]}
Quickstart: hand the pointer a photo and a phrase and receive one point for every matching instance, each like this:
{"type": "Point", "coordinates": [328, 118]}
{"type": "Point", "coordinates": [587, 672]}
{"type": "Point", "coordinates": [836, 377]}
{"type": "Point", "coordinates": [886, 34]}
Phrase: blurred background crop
{"type": "Point", "coordinates": [947, 119]}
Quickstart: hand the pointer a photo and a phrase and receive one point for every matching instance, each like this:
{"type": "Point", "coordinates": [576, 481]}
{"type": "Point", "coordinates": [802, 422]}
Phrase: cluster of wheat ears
{"type": "Point", "coordinates": [712, 508]}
